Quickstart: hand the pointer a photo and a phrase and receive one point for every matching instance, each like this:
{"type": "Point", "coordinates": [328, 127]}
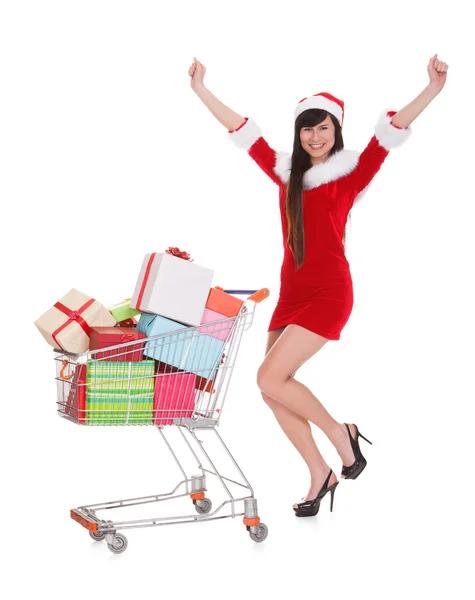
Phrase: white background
{"type": "Point", "coordinates": [107, 154]}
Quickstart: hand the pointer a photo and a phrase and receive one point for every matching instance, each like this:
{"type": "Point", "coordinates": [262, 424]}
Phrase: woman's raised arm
{"type": "Point", "coordinates": [244, 132]}
{"type": "Point", "coordinates": [394, 128]}
{"type": "Point", "coordinates": [227, 117]}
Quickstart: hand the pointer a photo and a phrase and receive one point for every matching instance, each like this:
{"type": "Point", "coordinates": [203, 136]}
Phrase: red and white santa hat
{"type": "Point", "coordinates": [324, 101]}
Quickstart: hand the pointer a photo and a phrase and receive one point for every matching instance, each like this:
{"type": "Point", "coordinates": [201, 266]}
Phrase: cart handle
{"type": "Point", "coordinates": [65, 364]}
{"type": "Point", "coordinates": [256, 295]}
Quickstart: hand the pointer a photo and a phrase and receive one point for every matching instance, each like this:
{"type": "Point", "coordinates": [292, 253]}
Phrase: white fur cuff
{"type": "Point", "coordinates": [247, 135]}
{"type": "Point", "coordinates": [388, 135]}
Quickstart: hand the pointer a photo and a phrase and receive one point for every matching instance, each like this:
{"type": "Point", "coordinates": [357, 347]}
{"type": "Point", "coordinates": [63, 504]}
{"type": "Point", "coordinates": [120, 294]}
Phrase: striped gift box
{"type": "Point", "coordinates": [120, 393]}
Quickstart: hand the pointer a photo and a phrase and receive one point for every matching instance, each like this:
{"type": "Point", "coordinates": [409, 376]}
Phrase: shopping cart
{"type": "Point", "coordinates": [177, 378]}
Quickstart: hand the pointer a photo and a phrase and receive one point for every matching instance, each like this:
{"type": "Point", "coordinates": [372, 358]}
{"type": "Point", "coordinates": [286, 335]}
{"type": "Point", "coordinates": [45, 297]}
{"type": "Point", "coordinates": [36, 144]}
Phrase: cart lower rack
{"type": "Point", "coordinates": [179, 378]}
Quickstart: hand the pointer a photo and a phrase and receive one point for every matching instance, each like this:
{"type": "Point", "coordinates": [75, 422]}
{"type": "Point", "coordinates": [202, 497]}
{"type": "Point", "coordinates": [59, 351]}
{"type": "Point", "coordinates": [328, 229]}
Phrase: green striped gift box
{"type": "Point", "coordinates": [120, 393]}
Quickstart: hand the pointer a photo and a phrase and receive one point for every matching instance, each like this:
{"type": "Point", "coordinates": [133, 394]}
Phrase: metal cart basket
{"type": "Point", "coordinates": [177, 378]}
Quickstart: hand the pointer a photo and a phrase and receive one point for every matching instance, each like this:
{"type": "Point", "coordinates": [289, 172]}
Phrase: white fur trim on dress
{"type": "Point", "coordinates": [247, 135]}
{"type": "Point", "coordinates": [388, 135]}
{"type": "Point", "coordinates": [338, 165]}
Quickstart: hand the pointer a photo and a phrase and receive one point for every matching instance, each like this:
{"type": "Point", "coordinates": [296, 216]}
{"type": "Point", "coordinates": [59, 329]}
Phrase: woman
{"type": "Point", "coordinates": [318, 185]}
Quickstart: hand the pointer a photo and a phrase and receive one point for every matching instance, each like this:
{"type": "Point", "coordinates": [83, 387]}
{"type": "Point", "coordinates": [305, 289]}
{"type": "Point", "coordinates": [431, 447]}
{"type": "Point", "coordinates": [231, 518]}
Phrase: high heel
{"type": "Point", "coordinates": [357, 467]}
{"type": "Point", "coordinates": [332, 490]}
{"type": "Point", "coordinates": [311, 507]}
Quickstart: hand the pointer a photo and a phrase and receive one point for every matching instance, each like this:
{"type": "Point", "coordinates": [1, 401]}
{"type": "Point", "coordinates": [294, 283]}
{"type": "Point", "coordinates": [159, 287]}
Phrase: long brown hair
{"type": "Point", "coordinates": [301, 162]}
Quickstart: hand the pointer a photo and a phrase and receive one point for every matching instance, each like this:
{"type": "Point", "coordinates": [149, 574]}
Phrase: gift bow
{"type": "Point", "coordinates": [73, 315]}
{"type": "Point", "coordinates": [179, 253]}
{"type": "Point", "coordinates": [129, 337]}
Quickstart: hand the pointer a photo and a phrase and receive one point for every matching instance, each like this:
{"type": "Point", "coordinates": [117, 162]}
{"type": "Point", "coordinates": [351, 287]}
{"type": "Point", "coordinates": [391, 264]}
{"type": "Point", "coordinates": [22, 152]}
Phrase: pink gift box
{"type": "Point", "coordinates": [217, 330]}
{"type": "Point", "coordinates": [174, 397]}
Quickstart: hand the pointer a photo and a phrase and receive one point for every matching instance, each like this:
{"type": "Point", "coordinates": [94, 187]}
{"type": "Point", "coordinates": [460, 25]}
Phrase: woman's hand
{"type": "Point", "coordinates": [196, 72]}
{"type": "Point", "coordinates": [437, 72]}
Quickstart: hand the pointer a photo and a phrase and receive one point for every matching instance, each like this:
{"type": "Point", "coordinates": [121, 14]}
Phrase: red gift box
{"type": "Point", "coordinates": [76, 403]}
{"type": "Point", "coordinates": [103, 337]}
{"type": "Point", "coordinates": [130, 322]}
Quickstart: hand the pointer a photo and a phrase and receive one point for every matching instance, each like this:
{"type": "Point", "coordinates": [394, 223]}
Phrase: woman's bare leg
{"type": "Point", "coordinates": [292, 350]}
{"type": "Point", "coordinates": [299, 432]}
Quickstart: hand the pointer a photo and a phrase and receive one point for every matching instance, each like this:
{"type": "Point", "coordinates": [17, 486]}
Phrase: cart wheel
{"type": "Point", "coordinates": [97, 536]}
{"type": "Point", "coordinates": [119, 544]}
{"type": "Point", "coordinates": [203, 506]}
{"type": "Point", "coordinates": [261, 535]}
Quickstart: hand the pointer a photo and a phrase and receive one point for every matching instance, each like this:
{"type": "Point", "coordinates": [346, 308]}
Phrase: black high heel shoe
{"type": "Point", "coordinates": [310, 507]}
{"type": "Point", "coordinates": [357, 467]}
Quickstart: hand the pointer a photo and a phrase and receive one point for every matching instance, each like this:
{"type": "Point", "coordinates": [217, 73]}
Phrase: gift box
{"type": "Point", "coordinates": [102, 337]}
{"type": "Point", "coordinates": [76, 402]}
{"type": "Point", "coordinates": [132, 322]}
{"type": "Point", "coordinates": [219, 330]}
{"type": "Point", "coordinates": [122, 311]}
{"type": "Point", "coordinates": [161, 367]}
{"type": "Point", "coordinates": [201, 383]}
{"type": "Point", "coordinates": [67, 324]}
{"type": "Point", "coordinates": [220, 306]}
{"type": "Point", "coordinates": [205, 385]}
{"type": "Point", "coordinates": [174, 397]}
{"type": "Point", "coordinates": [120, 393]}
{"type": "Point", "coordinates": [186, 349]}
{"type": "Point", "coordinates": [172, 287]}
{"type": "Point", "coordinates": [223, 303]}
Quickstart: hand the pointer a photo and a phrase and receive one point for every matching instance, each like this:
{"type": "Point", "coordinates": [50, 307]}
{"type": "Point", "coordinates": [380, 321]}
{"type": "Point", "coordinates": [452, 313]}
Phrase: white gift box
{"type": "Point", "coordinates": [172, 287]}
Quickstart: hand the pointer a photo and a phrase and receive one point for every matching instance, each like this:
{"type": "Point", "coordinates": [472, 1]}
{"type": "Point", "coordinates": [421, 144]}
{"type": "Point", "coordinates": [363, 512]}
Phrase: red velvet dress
{"type": "Point", "coordinates": [319, 295]}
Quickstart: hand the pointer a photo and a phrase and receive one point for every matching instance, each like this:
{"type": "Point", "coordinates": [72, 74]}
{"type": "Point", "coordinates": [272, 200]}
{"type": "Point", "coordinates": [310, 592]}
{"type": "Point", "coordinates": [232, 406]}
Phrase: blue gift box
{"type": "Point", "coordinates": [186, 348]}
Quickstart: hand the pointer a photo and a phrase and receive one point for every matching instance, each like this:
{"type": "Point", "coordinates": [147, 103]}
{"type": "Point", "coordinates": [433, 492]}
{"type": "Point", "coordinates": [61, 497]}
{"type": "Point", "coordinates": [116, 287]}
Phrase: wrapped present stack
{"type": "Point", "coordinates": [158, 339]}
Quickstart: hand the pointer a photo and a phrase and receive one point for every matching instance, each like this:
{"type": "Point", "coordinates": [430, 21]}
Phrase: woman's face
{"type": "Point", "coordinates": [312, 139]}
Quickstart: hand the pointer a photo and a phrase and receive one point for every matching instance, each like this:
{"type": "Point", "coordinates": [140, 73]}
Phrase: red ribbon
{"type": "Point", "coordinates": [145, 279]}
{"type": "Point", "coordinates": [73, 315]}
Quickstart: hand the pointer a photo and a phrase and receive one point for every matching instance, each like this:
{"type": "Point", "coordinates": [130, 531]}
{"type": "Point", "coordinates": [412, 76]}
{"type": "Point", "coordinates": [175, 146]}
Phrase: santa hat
{"type": "Point", "coordinates": [324, 101]}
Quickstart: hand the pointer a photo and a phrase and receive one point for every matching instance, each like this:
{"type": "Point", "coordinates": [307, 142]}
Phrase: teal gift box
{"type": "Point", "coordinates": [187, 349]}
